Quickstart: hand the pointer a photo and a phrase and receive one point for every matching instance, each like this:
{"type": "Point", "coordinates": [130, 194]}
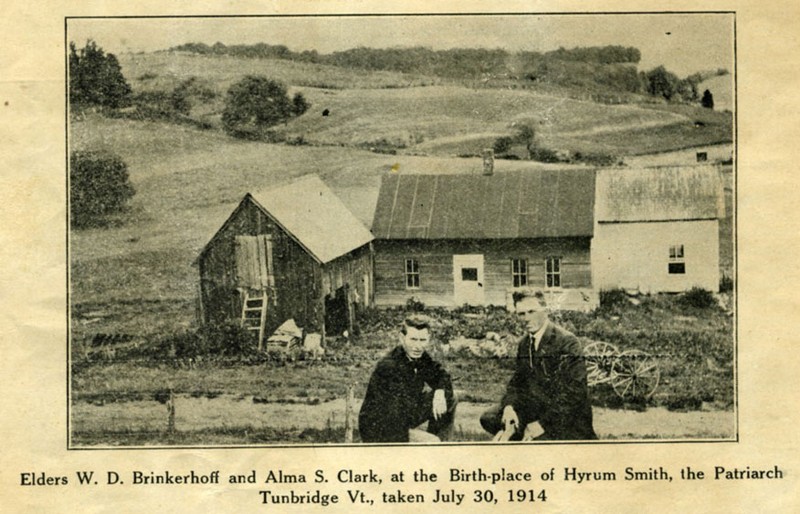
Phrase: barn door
{"type": "Point", "coordinates": [468, 279]}
{"type": "Point", "coordinates": [254, 267]}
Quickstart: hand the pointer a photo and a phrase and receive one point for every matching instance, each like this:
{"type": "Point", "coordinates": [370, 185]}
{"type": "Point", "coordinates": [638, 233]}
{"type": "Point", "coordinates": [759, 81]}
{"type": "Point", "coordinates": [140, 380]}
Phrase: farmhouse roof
{"type": "Point", "coordinates": [666, 193]}
{"type": "Point", "coordinates": [520, 204]}
{"type": "Point", "coordinates": [313, 215]}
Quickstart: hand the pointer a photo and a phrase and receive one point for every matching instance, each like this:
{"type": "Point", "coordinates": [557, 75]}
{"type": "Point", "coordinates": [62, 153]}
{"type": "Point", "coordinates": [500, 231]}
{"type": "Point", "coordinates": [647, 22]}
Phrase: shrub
{"type": "Point", "coordinates": [611, 298]}
{"type": "Point", "coordinates": [544, 155]}
{"type": "Point", "coordinates": [698, 298]}
{"type": "Point", "coordinates": [254, 104]}
{"type": "Point", "coordinates": [502, 144]}
{"type": "Point", "coordinates": [299, 104]}
{"type": "Point", "coordinates": [414, 305]}
{"type": "Point", "coordinates": [725, 284]}
{"type": "Point", "coordinates": [99, 185]}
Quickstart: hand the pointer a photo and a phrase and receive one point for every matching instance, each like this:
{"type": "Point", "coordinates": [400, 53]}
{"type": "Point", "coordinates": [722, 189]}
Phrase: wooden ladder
{"type": "Point", "coordinates": [254, 314]}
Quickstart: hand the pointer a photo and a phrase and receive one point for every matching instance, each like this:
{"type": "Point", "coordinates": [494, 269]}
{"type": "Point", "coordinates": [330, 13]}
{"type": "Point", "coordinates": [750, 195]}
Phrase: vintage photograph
{"type": "Point", "coordinates": [378, 229]}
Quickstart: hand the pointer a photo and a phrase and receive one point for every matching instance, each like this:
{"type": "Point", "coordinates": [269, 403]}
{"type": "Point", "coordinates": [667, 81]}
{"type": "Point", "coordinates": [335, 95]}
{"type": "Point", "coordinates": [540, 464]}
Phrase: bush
{"type": "Point", "coordinates": [414, 305]}
{"type": "Point", "coordinates": [698, 298]}
{"type": "Point", "coordinates": [253, 104]}
{"type": "Point", "coordinates": [725, 284]}
{"type": "Point", "coordinates": [299, 104]}
{"type": "Point", "coordinates": [99, 185]}
{"type": "Point", "coordinates": [611, 298]}
{"type": "Point", "coordinates": [544, 155]}
{"type": "Point", "coordinates": [502, 145]}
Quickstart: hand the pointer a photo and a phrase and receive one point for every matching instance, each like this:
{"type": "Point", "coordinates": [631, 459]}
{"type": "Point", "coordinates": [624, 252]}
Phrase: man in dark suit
{"type": "Point", "coordinates": [407, 389]}
{"type": "Point", "coordinates": [548, 386]}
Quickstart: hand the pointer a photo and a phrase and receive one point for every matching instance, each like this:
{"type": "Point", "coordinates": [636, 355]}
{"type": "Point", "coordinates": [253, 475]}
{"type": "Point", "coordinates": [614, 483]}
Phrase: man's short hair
{"type": "Point", "coordinates": [417, 321]}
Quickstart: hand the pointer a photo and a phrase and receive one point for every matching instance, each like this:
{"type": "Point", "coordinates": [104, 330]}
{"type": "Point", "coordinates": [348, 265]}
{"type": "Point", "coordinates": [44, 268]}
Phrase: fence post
{"type": "Point", "coordinates": [348, 416]}
{"type": "Point", "coordinates": [171, 412]}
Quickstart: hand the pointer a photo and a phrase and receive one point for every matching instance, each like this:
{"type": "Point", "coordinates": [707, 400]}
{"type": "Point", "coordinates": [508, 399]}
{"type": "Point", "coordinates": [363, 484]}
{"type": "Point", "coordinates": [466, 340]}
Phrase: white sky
{"type": "Point", "coordinates": [683, 43]}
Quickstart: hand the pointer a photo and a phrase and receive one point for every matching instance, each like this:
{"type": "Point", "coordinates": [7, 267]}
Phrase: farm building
{"type": "Point", "coordinates": [657, 229]}
{"type": "Point", "coordinates": [449, 240]}
{"type": "Point", "coordinates": [293, 251]}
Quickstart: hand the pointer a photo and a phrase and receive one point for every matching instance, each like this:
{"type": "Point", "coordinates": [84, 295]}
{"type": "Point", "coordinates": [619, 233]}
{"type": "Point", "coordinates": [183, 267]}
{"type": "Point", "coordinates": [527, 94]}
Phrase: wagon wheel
{"type": "Point", "coordinates": [635, 375]}
{"type": "Point", "coordinates": [600, 358]}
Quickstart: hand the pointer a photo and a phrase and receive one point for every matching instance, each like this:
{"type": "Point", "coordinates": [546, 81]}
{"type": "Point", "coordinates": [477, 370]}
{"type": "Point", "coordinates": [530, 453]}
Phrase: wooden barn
{"type": "Point", "coordinates": [293, 251]}
{"type": "Point", "coordinates": [449, 240]}
{"type": "Point", "coordinates": [657, 229]}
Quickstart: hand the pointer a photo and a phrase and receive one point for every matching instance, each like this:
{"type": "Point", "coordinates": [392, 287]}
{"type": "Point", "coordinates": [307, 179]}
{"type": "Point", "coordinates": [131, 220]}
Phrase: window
{"type": "Point", "coordinates": [552, 272]}
{"type": "Point", "coordinates": [469, 274]}
{"type": "Point", "coordinates": [677, 263]}
{"type": "Point", "coordinates": [412, 274]}
{"type": "Point", "coordinates": [519, 272]}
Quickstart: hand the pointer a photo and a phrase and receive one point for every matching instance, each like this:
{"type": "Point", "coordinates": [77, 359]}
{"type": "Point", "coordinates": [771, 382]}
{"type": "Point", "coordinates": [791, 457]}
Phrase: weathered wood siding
{"type": "Point", "coordinates": [436, 267]}
{"type": "Point", "coordinates": [298, 276]}
{"type": "Point", "coordinates": [351, 270]}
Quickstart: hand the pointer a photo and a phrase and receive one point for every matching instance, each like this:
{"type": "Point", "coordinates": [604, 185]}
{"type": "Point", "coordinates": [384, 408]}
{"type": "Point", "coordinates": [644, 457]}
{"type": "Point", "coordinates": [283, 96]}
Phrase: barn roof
{"type": "Point", "coordinates": [666, 193]}
{"type": "Point", "coordinates": [520, 204]}
{"type": "Point", "coordinates": [315, 216]}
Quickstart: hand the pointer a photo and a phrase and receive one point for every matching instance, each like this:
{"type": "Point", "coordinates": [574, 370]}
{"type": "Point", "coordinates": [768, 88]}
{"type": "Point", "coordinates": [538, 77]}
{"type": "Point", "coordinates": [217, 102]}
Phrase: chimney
{"type": "Point", "coordinates": [488, 161]}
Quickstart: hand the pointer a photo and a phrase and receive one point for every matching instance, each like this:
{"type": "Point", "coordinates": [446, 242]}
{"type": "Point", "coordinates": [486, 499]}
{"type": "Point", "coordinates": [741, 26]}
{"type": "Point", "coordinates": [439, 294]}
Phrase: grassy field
{"type": "Point", "coordinates": [241, 399]}
{"type": "Point", "coordinates": [429, 115]}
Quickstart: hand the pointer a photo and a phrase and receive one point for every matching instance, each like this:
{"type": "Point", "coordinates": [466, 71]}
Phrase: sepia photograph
{"type": "Point", "coordinates": [424, 229]}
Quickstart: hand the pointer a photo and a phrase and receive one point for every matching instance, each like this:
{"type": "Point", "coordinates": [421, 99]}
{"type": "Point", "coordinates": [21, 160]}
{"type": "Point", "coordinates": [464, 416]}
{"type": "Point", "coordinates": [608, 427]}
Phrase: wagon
{"type": "Point", "coordinates": [633, 374]}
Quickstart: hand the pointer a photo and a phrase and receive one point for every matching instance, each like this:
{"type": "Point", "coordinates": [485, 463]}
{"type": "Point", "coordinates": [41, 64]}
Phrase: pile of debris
{"type": "Point", "coordinates": [288, 341]}
{"type": "Point", "coordinates": [493, 345]}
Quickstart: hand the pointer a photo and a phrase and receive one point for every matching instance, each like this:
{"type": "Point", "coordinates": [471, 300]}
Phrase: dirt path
{"type": "Point", "coordinates": [231, 411]}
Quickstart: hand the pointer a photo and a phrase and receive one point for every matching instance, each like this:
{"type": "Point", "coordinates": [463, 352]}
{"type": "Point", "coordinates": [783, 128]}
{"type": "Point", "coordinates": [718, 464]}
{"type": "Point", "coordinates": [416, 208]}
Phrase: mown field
{"type": "Point", "coordinates": [415, 114]}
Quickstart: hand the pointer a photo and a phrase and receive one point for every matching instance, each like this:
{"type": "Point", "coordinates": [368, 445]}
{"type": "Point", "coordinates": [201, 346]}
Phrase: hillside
{"type": "Point", "coordinates": [137, 275]}
{"type": "Point", "coordinates": [416, 114]}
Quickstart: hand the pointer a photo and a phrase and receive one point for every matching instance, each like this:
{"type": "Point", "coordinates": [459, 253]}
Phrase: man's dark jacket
{"type": "Point", "coordinates": [549, 386]}
{"type": "Point", "coordinates": [395, 401]}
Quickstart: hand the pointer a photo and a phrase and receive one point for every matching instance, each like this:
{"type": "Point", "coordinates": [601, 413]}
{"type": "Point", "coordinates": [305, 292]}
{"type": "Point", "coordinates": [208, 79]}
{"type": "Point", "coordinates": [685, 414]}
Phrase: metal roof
{"type": "Point", "coordinates": [666, 193]}
{"type": "Point", "coordinates": [520, 204]}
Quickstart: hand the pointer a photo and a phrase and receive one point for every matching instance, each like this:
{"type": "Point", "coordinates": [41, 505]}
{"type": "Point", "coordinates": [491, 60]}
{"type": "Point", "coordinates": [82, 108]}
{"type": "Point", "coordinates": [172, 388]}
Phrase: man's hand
{"type": "Point", "coordinates": [439, 404]}
{"type": "Point", "coordinates": [510, 418]}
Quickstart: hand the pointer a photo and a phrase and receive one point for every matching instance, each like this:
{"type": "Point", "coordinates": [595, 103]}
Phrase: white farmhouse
{"type": "Point", "coordinates": [657, 229]}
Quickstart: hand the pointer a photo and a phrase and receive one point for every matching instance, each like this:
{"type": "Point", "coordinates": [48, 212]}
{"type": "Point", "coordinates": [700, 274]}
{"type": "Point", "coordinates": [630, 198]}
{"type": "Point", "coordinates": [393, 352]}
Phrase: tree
{"type": "Point", "coordinates": [661, 82]}
{"type": "Point", "coordinates": [99, 185]}
{"type": "Point", "coordinates": [708, 100]}
{"type": "Point", "coordinates": [253, 104]}
{"type": "Point", "coordinates": [95, 77]}
{"type": "Point", "coordinates": [299, 104]}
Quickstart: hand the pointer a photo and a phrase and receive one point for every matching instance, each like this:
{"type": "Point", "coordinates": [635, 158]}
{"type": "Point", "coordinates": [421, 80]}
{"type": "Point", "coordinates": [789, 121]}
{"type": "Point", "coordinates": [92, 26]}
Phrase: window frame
{"type": "Point", "coordinates": [519, 272]}
{"type": "Point", "coordinates": [676, 263]}
{"type": "Point", "coordinates": [411, 273]}
{"type": "Point", "coordinates": [552, 274]}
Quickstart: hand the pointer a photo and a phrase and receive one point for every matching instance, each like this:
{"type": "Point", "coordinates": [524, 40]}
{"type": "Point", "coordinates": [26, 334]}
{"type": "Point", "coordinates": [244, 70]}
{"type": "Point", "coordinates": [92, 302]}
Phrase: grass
{"type": "Point", "coordinates": [226, 401]}
{"type": "Point", "coordinates": [426, 115]}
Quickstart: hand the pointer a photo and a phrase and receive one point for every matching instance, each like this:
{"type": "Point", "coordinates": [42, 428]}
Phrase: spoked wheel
{"type": "Point", "coordinates": [600, 357]}
{"type": "Point", "coordinates": [635, 375]}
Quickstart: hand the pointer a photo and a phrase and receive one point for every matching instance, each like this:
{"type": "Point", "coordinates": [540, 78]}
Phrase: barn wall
{"type": "Point", "coordinates": [636, 255]}
{"type": "Point", "coordinates": [297, 277]}
{"type": "Point", "coordinates": [351, 270]}
{"type": "Point", "coordinates": [436, 267]}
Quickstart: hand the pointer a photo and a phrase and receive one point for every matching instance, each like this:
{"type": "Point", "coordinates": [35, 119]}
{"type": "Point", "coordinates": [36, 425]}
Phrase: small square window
{"type": "Point", "coordinates": [469, 274]}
